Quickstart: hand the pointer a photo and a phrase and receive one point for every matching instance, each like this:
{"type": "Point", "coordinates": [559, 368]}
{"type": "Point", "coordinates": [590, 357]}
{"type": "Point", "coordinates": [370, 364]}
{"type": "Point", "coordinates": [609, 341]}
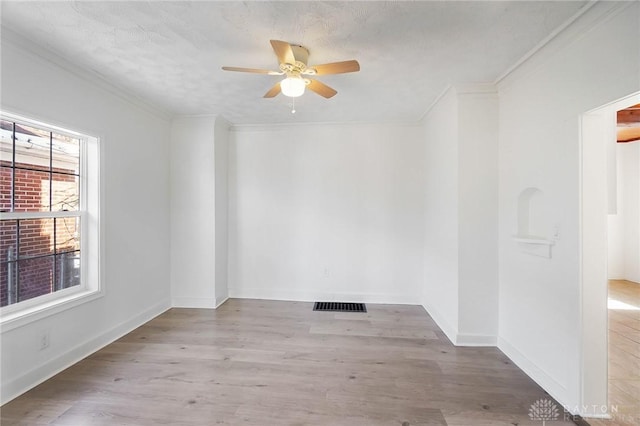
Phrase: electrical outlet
{"type": "Point", "coordinates": [44, 340]}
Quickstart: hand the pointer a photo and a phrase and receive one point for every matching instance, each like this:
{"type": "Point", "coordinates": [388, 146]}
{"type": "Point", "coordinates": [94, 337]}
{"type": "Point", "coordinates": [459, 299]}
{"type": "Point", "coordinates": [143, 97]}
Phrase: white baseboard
{"type": "Point", "coordinates": [198, 302]}
{"type": "Point", "coordinates": [447, 329]}
{"type": "Point", "coordinates": [51, 367]}
{"type": "Point", "coordinates": [456, 338]}
{"type": "Point", "coordinates": [220, 302]}
{"type": "Point", "coordinates": [313, 296]}
{"type": "Point", "coordinates": [548, 383]}
{"type": "Point", "coordinates": [194, 302]}
{"type": "Point", "coordinates": [597, 416]}
{"type": "Point", "coordinates": [476, 340]}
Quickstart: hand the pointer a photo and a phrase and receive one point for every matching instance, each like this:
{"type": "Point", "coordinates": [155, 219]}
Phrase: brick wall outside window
{"type": "Point", "coordinates": [38, 236]}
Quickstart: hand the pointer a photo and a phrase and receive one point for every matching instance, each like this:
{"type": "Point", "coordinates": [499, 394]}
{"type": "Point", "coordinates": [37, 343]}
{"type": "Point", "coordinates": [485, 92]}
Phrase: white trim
{"type": "Point", "coordinates": [284, 126]}
{"type": "Point", "coordinates": [41, 215]}
{"type": "Point", "coordinates": [482, 340]}
{"type": "Point", "coordinates": [42, 307]}
{"type": "Point", "coordinates": [593, 416]}
{"type": "Point", "coordinates": [435, 102]}
{"type": "Point", "coordinates": [313, 296]}
{"type": "Point", "coordinates": [459, 339]}
{"type": "Point", "coordinates": [461, 89]}
{"type": "Point", "coordinates": [91, 243]}
{"type": "Point", "coordinates": [597, 129]}
{"type": "Point", "coordinates": [586, 19]}
{"type": "Point", "coordinates": [194, 302]}
{"type": "Point", "coordinates": [197, 302]}
{"type": "Point", "coordinates": [476, 89]}
{"type": "Point", "coordinates": [221, 302]}
{"type": "Point", "coordinates": [30, 47]}
{"type": "Point", "coordinates": [541, 45]}
{"type": "Point", "coordinates": [438, 318]}
{"type": "Point", "coordinates": [51, 367]}
{"type": "Point", "coordinates": [48, 127]}
{"type": "Point", "coordinates": [541, 377]}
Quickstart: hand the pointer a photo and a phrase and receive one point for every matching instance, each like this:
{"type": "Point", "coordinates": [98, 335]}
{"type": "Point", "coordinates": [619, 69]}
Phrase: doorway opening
{"type": "Point", "coordinates": [624, 271]}
{"type": "Point", "coordinates": [599, 203]}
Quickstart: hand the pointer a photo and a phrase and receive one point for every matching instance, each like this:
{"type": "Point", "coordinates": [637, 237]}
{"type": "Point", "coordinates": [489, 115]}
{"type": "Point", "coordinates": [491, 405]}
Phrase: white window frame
{"type": "Point", "coordinates": [90, 288]}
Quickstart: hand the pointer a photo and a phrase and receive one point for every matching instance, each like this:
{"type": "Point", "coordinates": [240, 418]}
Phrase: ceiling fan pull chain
{"type": "Point", "coordinates": [293, 105]}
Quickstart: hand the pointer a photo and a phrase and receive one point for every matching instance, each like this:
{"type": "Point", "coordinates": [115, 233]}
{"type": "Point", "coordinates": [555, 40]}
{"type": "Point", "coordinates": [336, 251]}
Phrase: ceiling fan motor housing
{"type": "Point", "coordinates": [293, 63]}
{"type": "Point", "coordinates": [301, 56]}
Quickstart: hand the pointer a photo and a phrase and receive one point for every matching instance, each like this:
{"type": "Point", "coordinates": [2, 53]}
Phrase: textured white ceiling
{"type": "Point", "coordinates": [170, 53]}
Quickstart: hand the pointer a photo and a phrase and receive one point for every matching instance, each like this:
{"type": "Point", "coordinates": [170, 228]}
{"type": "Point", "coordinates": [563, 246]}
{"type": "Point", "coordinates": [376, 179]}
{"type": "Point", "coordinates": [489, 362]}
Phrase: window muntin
{"type": "Point", "coordinates": [41, 211]}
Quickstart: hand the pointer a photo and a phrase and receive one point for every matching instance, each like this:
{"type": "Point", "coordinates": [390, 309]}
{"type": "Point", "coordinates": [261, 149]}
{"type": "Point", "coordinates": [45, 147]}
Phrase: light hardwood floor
{"type": "Point", "coordinates": [254, 362]}
{"type": "Point", "coordinates": [624, 353]}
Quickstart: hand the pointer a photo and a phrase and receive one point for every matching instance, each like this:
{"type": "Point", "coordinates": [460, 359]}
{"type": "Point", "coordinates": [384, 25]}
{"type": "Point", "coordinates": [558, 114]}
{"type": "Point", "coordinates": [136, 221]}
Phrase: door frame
{"type": "Point", "coordinates": [597, 200]}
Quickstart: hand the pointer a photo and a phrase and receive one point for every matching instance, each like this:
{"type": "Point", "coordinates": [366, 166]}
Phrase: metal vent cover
{"type": "Point", "coordinates": [339, 307]}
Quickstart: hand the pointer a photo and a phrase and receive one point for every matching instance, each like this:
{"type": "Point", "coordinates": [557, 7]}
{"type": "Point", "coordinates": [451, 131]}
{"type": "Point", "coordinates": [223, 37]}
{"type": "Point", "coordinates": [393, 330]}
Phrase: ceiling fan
{"type": "Point", "coordinates": [293, 64]}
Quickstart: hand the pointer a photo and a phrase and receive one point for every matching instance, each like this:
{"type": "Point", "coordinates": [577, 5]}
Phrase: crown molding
{"type": "Point", "coordinates": [586, 19]}
{"type": "Point", "coordinates": [476, 89]}
{"type": "Point", "coordinates": [216, 118]}
{"type": "Point", "coordinates": [285, 126]}
{"type": "Point", "coordinates": [95, 78]}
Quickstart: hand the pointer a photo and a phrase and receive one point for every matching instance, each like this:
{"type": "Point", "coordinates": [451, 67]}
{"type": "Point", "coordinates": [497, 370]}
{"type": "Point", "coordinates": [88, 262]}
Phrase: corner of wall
{"type": "Point", "coordinates": [542, 378]}
{"type": "Point", "coordinates": [449, 330]}
{"type": "Point", "coordinates": [50, 367]}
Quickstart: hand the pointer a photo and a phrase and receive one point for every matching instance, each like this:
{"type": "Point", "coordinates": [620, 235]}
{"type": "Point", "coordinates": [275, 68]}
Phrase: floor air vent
{"type": "Point", "coordinates": [339, 307]}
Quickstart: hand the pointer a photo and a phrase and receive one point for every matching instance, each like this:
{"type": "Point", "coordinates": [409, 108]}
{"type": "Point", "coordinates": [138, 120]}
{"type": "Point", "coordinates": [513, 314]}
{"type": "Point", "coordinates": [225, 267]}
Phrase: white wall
{"type": "Point", "coordinates": [135, 211]}
{"type": "Point", "coordinates": [540, 108]}
{"type": "Point", "coordinates": [326, 212]}
{"type": "Point", "coordinates": [615, 225]}
{"type": "Point", "coordinates": [478, 215]}
{"type": "Point", "coordinates": [624, 227]}
{"type": "Point", "coordinates": [460, 290]}
{"type": "Point", "coordinates": [221, 160]}
{"type": "Point", "coordinates": [440, 290]}
{"type": "Point", "coordinates": [629, 208]}
{"type": "Point", "coordinates": [630, 155]}
{"type": "Point", "coordinates": [198, 211]}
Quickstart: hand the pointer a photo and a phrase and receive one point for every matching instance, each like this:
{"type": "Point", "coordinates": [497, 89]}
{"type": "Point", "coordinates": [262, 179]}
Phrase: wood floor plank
{"type": "Point", "coordinates": [624, 354]}
{"type": "Point", "coordinates": [256, 362]}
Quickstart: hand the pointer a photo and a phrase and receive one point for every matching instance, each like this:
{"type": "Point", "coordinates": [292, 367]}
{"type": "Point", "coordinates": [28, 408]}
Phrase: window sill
{"type": "Point", "coordinates": [28, 315]}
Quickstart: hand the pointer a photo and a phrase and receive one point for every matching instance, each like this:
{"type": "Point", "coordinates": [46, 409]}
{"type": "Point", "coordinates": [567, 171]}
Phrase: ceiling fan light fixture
{"type": "Point", "coordinates": [293, 63]}
{"type": "Point", "coordinates": [293, 86]}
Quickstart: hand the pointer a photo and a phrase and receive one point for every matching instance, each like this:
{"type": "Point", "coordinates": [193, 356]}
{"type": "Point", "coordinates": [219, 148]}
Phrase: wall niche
{"type": "Point", "coordinates": [531, 237]}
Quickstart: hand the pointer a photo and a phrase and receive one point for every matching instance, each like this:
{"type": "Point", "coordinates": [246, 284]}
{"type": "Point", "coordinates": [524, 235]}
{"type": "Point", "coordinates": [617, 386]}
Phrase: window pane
{"type": "Point", "coordinates": [35, 237]}
{"type": "Point", "coordinates": [5, 187]}
{"type": "Point", "coordinates": [8, 240]}
{"type": "Point", "coordinates": [67, 270]}
{"type": "Point", "coordinates": [39, 172]}
{"type": "Point", "coordinates": [32, 191]}
{"type": "Point", "coordinates": [6, 144]}
{"type": "Point", "coordinates": [67, 234]}
{"type": "Point", "coordinates": [66, 192]}
{"type": "Point", "coordinates": [8, 247]}
{"type": "Point", "coordinates": [8, 277]}
{"type": "Point", "coordinates": [32, 148]}
{"type": "Point", "coordinates": [35, 277]}
{"type": "Point", "coordinates": [66, 154]}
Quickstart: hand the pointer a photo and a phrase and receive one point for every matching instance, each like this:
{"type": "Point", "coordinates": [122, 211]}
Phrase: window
{"type": "Point", "coordinates": [46, 209]}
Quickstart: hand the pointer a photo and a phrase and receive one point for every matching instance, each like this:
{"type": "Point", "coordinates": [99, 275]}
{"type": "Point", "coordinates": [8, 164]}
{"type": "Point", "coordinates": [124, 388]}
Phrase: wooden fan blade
{"type": "Point", "coordinates": [252, 70]}
{"type": "Point", "coordinates": [273, 92]}
{"type": "Point", "coordinates": [321, 89]}
{"type": "Point", "coordinates": [283, 52]}
{"type": "Point", "coordinates": [335, 68]}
